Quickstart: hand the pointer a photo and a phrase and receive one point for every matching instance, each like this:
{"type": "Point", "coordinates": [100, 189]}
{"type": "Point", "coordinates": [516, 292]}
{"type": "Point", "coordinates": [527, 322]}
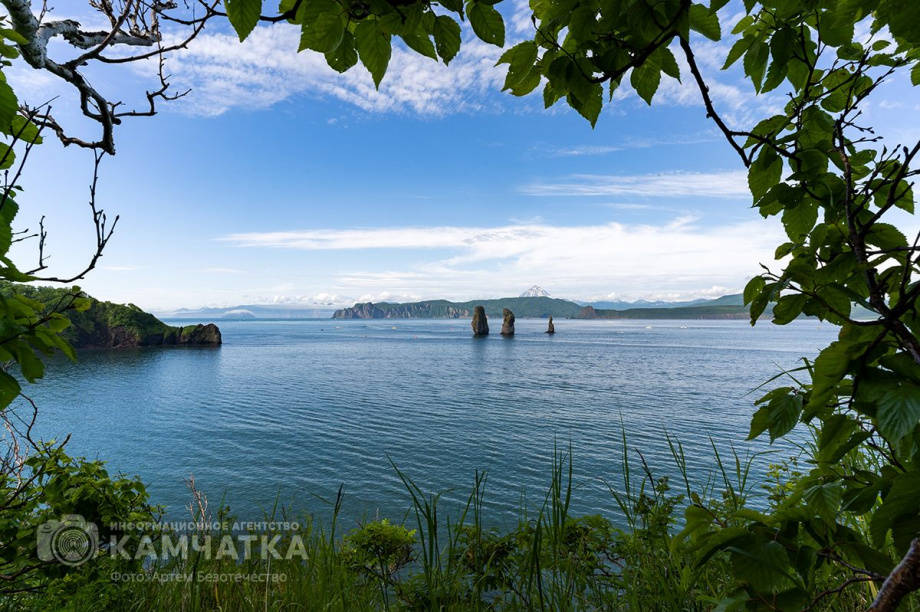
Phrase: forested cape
{"type": "Point", "coordinates": [99, 324]}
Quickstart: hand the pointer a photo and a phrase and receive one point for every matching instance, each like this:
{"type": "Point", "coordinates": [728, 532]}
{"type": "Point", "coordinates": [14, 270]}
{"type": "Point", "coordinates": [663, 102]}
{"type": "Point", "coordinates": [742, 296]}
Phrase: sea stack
{"type": "Point", "coordinates": [550, 329]}
{"type": "Point", "coordinates": [507, 322]}
{"type": "Point", "coordinates": [480, 322]}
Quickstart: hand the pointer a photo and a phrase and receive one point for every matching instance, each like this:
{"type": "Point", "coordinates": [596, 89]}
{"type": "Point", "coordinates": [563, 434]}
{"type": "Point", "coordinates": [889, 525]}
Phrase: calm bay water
{"type": "Point", "coordinates": [301, 407]}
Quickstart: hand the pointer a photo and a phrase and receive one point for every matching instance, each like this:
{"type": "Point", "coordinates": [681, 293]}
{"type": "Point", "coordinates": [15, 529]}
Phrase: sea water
{"type": "Point", "coordinates": [292, 410]}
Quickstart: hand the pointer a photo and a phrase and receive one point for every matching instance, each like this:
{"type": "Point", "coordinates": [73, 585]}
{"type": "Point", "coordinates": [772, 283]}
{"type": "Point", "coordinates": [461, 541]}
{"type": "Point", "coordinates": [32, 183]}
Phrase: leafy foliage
{"type": "Point", "coordinates": [828, 180]}
{"type": "Point", "coordinates": [833, 185]}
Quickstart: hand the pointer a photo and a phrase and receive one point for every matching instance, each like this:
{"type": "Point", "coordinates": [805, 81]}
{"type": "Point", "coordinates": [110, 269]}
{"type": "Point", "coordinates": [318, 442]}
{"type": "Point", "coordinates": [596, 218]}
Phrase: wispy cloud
{"type": "Point", "coordinates": [663, 185]}
{"type": "Point", "coordinates": [266, 69]}
{"type": "Point", "coordinates": [680, 257]}
{"type": "Point", "coordinates": [628, 144]}
{"type": "Point", "coordinates": [123, 268]}
{"type": "Point", "coordinates": [218, 270]}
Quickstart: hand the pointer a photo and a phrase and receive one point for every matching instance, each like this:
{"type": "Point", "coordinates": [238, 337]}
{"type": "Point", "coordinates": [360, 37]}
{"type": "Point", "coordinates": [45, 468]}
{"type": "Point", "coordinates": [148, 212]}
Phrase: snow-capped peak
{"type": "Point", "coordinates": [535, 291]}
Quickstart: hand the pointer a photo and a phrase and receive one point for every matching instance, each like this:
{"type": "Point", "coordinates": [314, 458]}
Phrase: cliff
{"type": "Point", "coordinates": [108, 325]}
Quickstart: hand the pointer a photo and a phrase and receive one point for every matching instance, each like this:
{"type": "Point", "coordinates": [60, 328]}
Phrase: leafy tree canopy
{"type": "Point", "coordinates": [814, 166]}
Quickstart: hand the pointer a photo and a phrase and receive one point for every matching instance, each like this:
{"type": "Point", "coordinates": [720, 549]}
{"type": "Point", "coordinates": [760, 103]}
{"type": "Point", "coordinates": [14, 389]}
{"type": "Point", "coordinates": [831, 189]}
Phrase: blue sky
{"type": "Point", "coordinates": [278, 180]}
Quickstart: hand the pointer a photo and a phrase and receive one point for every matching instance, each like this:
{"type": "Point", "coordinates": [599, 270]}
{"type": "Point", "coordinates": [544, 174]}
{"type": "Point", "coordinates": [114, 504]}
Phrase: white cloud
{"type": "Point", "coordinates": [627, 144]}
{"type": "Point", "coordinates": [123, 268]}
{"type": "Point", "coordinates": [386, 296]}
{"type": "Point", "coordinates": [217, 270]}
{"type": "Point", "coordinates": [662, 185]}
{"type": "Point", "coordinates": [679, 259]}
{"type": "Point", "coordinates": [266, 69]}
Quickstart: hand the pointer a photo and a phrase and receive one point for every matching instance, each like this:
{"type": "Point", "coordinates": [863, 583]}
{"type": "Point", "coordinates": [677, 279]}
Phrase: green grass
{"type": "Point", "coordinates": [551, 560]}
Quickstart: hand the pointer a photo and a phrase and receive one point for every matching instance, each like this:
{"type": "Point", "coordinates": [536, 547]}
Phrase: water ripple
{"type": "Point", "coordinates": [302, 407]}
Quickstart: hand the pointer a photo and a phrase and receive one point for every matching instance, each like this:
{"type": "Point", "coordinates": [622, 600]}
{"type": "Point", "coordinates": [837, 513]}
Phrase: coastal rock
{"type": "Point", "coordinates": [587, 312]}
{"type": "Point", "coordinates": [200, 335]}
{"type": "Point", "coordinates": [480, 323]}
{"type": "Point", "coordinates": [550, 329]}
{"type": "Point", "coordinates": [507, 322]}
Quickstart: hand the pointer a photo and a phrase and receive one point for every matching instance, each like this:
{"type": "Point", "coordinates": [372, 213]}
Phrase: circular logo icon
{"type": "Point", "coordinates": [73, 544]}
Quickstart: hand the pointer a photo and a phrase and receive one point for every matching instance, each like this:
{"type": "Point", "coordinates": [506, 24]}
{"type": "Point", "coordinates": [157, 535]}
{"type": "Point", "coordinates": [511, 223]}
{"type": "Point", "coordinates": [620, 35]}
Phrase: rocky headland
{"type": "Point", "coordinates": [109, 325]}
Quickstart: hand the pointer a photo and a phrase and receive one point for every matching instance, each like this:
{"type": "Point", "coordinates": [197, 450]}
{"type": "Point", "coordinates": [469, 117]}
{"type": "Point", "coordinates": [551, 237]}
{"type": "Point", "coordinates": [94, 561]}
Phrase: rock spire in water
{"type": "Point", "coordinates": [507, 322]}
{"type": "Point", "coordinates": [480, 322]}
{"type": "Point", "coordinates": [550, 329]}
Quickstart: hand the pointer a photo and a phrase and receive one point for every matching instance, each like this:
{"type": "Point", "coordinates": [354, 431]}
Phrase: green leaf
{"type": "Point", "coordinates": [745, 22]}
{"type": "Point", "coordinates": [9, 389]}
{"type": "Point", "coordinates": [520, 60]}
{"type": "Point", "coordinates": [902, 499]}
{"type": "Point", "coordinates": [834, 435]}
{"type": "Point", "coordinates": [705, 22]}
{"type": "Point", "coordinates": [915, 74]}
{"type": "Point", "coordinates": [419, 42]}
{"type": "Point", "coordinates": [487, 22]}
{"type": "Point", "coordinates": [583, 22]}
{"type": "Point", "coordinates": [590, 105]}
{"type": "Point", "coordinates": [788, 308]}
{"type": "Point", "coordinates": [345, 55]}
{"type": "Point", "coordinates": [829, 368]}
{"type": "Point", "coordinates": [759, 303]}
{"type": "Point", "coordinates": [8, 108]}
{"type": "Point", "coordinates": [755, 62]}
{"type": "Point", "coordinates": [668, 63]}
{"type": "Point", "coordinates": [8, 212]}
{"type": "Point", "coordinates": [753, 289]}
{"type": "Point", "coordinates": [325, 34]}
{"type": "Point", "coordinates": [784, 415]}
{"type": "Point", "coordinates": [760, 422]}
{"type": "Point", "coordinates": [764, 173]}
{"type": "Point", "coordinates": [374, 49]}
{"type": "Point", "coordinates": [798, 220]}
{"type": "Point", "coordinates": [25, 130]}
{"type": "Point", "coordinates": [446, 37]}
{"type": "Point", "coordinates": [899, 412]}
{"type": "Point", "coordinates": [646, 78]}
{"type": "Point", "coordinates": [902, 17]}
{"type": "Point", "coordinates": [738, 49]}
{"type": "Point", "coordinates": [763, 565]}
{"type": "Point", "coordinates": [13, 35]}
{"type": "Point", "coordinates": [696, 519]}
{"type": "Point", "coordinates": [243, 15]}
{"type": "Point", "coordinates": [886, 236]}
{"type": "Point", "coordinates": [824, 499]}
{"type": "Point", "coordinates": [32, 367]}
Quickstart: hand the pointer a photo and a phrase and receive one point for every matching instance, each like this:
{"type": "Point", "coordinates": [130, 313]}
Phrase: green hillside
{"type": "Point", "coordinates": [685, 312]}
{"type": "Point", "coordinates": [527, 307]}
{"type": "Point", "coordinates": [110, 325]}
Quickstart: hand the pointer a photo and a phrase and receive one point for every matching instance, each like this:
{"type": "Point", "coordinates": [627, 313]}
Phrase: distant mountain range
{"type": "Point", "coordinates": [533, 303]}
{"type": "Point", "coordinates": [726, 300]}
{"type": "Point", "coordinates": [253, 311]}
{"type": "Point", "coordinates": [526, 307]}
{"type": "Point", "coordinates": [726, 307]}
